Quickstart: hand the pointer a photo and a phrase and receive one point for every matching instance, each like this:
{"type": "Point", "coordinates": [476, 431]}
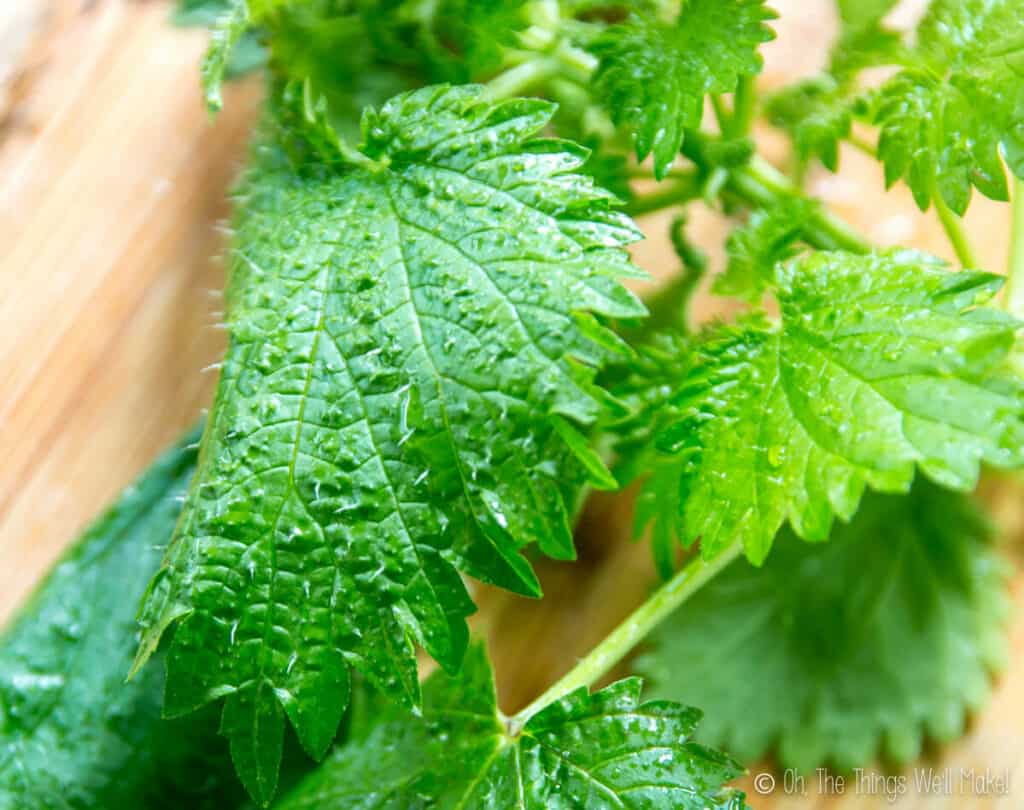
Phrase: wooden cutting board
{"type": "Point", "coordinates": [113, 183]}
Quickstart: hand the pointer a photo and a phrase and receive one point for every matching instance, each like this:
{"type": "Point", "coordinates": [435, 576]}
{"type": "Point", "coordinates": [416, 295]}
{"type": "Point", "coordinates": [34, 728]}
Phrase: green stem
{"type": "Point", "coordinates": [722, 115]}
{"type": "Point", "coordinates": [954, 228]}
{"type": "Point", "coordinates": [1015, 270]}
{"type": "Point", "coordinates": [684, 187]}
{"type": "Point", "coordinates": [618, 644]}
{"type": "Point", "coordinates": [864, 146]}
{"type": "Point", "coordinates": [515, 81]}
{"type": "Point", "coordinates": [761, 184]}
{"type": "Point", "coordinates": [744, 103]}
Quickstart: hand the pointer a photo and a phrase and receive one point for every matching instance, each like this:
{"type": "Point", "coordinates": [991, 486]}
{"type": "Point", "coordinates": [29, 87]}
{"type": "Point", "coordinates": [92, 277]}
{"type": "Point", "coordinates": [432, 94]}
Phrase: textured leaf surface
{"type": "Point", "coordinates": [72, 734]}
{"type": "Point", "coordinates": [880, 363]}
{"type": "Point", "coordinates": [865, 645]}
{"type": "Point", "coordinates": [944, 119]}
{"type": "Point", "coordinates": [403, 335]}
{"type": "Point", "coordinates": [605, 750]}
{"type": "Point", "coordinates": [654, 75]}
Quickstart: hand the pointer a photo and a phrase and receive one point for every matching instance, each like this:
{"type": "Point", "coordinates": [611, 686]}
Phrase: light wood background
{"type": "Point", "coordinates": [112, 186]}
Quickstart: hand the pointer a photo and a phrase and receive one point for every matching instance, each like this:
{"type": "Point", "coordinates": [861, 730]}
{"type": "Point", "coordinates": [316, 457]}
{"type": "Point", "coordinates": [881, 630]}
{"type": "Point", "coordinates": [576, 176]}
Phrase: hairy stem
{"type": "Point", "coordinates": [862, 145]}
{"type": "Point", "coordinates": [1015, 271]}
{"type": "Point", "coordinates": [662, 603]}
{"type": "Point", "coordinates": [517, 80]}
{"type": "Point", "coordinates": [722, 115]}
{"type": "Point", "coordinates": [761, 184]}
{"type": "Point", "coordinates": [954, 228]}
{"type": "Point", "coordinates": [682, 188]}
{"type": "Point", "coordinates": [744, 103]}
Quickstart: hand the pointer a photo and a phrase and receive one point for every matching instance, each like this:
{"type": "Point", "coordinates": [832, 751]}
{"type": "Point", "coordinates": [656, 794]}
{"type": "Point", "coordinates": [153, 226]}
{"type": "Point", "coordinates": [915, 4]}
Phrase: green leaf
{"type": "Point", "coordinates": [865, 645]}
{"type": "Point", "coordinates": [72, 734]}
{"type": "Point", "coordinates": [943, 121]}
{"type": "Point", "coordinates": [817, 114]}
{"type": "Point", "coordinates": [755, 249]}
{"type": "Point", "coordinates": [881, 363]}
{"type": "Point", "coordinates": [600, 750]}
{"type": "Point", "coordinates": [597, 472]}
{"type": "Point", "coordinates": [402, 331]}
{"type": "Point", "coordinates": [654, 75]}
{"type": "Point", "coordinates": [229, 29]}
{"type": "Point", "coordinates": [246, 54]}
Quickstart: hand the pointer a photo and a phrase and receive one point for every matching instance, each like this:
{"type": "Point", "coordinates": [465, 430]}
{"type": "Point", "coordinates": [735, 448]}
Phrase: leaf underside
{"type": "Point", "coordinates": [388, 412]}
{"type": "Point", "coordinates": [880, 364]}
{"type": "Point", "coordinates": [601, 750]}
{"type": "Point", "coordinates": [864, 646]}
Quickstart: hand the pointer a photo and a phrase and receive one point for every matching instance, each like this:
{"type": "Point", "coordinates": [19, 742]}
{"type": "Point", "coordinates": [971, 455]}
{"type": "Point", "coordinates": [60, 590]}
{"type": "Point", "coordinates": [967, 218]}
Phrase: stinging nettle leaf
{"type": "Point", "coordinates": [385, 413]}
{"type": "Point", "coordinates": [228, 30]}
{"type": "Point", "coordinates": [865, 646]}
{"type": "Point", "coordinates": [880, 364]}
{"type": "Point", "coordinates": [600, 750]}
{"type": "Point", "coordinates": [944, 120]}
{"type": "Point", "coordinates": [653, 75]}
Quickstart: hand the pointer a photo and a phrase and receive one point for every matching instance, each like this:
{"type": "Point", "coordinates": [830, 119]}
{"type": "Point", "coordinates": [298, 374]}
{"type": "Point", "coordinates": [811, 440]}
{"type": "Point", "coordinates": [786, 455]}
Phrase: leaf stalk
{"type": "Point", "coordinates": [954, 228]}
{"type": "Point", "coordinates": [683, 188]}
{"type": "Point", "coordinates": [1014, 301]}
{"type": "Point", "coordinates": [621, 641]}
{"type": "Point", "coordinates": [519, 79]}
{"type": "Point", "coordinates": [761, 184]}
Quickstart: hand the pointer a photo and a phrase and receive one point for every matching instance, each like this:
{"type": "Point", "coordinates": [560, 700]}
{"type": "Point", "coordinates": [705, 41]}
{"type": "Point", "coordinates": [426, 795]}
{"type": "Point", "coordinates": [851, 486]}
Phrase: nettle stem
{"type": "Point", "coordinates": [1014, 301]}
{"type": "Point", "coordinates": [618, 644]}
{"type": "Point", "coordinates": [744, 106]}
{"type": "Point", "coordinates": [517, 80]}
{"type": "Point", "coordinates": [954, 228]}
{"type": "Point", "coordinates": [761, 184]}
{"type": "Point", "coordinates": [679, 189]}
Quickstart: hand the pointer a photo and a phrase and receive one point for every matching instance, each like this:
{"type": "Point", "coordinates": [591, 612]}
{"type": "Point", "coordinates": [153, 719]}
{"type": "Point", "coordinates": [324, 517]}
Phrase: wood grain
{"type": "Point", "coordinates": [112, 184]}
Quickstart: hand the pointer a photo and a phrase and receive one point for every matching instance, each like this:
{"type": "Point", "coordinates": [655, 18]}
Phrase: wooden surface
{"type": "Point", "coordinates": [112, 185]}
